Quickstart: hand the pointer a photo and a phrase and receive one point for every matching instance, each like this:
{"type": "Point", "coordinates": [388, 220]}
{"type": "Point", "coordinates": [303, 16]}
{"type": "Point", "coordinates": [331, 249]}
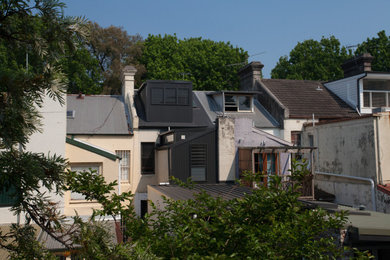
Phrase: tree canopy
{"type": "Point", "coordinates": [379, 47]}
{"type": "Point", "coordinates": [208, 64]}
{"type": "Point", "coordinates": [313, 60]}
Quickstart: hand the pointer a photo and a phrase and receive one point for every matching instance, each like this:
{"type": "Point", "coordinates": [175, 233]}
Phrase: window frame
{"type": "Point", "coordinates": [195, 163]}
{"type": "Point", "coordinates": [143, 172]}
{"type": "Point", "coordinates": [371, 90]}
{"type": "Point", "coordinates": [264, 156]}
{"type": "Point", "coordinates": [87, 165]}
{"type": "Point", "coordinates": [120, 153]}
{"type": "Point", "coordinates": [236, 103]}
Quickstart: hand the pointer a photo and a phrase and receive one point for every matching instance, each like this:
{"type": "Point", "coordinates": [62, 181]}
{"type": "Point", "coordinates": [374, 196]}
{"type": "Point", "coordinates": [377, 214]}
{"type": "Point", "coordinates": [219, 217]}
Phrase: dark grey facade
{"type": "Point", "coordinates": [186, 130]}
{"type": "Point", "coordinates": [192, 149]}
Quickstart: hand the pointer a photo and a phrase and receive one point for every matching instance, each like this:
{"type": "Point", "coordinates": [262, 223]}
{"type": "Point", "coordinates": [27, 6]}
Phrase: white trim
{"type": "Point", "coordinates": [94, 146]}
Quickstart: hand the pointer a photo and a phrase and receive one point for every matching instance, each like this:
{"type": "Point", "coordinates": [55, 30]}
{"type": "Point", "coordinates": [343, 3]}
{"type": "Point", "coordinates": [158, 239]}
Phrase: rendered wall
{"type": "Point", "coordinates": [226, 149]}
{"type": "Point", "coordinates": [51, 140]}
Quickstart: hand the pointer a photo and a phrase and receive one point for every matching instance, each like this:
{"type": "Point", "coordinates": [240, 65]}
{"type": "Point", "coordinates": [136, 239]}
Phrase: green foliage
{"type": "Point", "coordinates": [113, 48]}
{"type": "Point", "coordinates": [208, 64]}
{"type": "Point", "coordinates": [82, 71]}
{"type": "Point", "coordinates": [25, 246]}
{"type": "Point", "coordinates": [313, 60]}
{"type": "Point", "coordinates": [379, 47]}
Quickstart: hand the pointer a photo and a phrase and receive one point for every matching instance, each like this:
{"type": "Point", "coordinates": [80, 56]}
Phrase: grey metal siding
{"type": "Point", "coordinates": [181, 163]}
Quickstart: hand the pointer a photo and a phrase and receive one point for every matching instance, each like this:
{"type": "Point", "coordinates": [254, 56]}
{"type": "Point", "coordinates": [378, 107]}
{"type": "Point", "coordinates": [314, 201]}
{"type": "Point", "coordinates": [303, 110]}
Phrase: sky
{"type": "Point", "coordinates": [267, 30]}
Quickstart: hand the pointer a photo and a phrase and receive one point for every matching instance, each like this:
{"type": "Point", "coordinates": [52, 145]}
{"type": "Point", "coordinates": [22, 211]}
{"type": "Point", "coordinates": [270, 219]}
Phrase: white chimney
{"type": "Point", "coordinates": [128, 83]}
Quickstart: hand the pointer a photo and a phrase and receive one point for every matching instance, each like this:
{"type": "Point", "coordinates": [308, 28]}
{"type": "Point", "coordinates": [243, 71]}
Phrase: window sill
{"type": "Point", "coordinates": [83, 201]}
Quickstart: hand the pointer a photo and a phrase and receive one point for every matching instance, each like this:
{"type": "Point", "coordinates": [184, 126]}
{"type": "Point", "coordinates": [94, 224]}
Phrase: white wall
{"type": "Point", "coordinates": [51, 140]}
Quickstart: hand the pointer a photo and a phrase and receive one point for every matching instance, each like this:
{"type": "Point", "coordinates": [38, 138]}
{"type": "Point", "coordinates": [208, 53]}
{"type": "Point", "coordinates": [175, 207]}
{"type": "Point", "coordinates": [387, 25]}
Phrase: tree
{"type": "Point", "coordinates": [379, 47]}
{"type": "Point", "coordinates": [114, 49]}
{"type": "Point", "coordinates": [82, 71]}
{"type": "Point", "coordinates": [269, 223]}
{"type": "Point", "coordinates": [33, 37]}
{"type": "Point", "coordinates": [208, 64]}
{"type": "Point", "coordinates": [313, 60]}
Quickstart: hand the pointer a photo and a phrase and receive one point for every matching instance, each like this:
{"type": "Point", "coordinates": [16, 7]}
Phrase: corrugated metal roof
{"type": "Point", "coordinates": [222, 190]}
{"type": "Point", "coordinates": [260, 116]}
{"type": "Point", "coordinates": [98, 114]}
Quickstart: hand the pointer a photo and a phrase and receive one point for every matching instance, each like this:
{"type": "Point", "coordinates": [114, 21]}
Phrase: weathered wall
{"type": "Point", "coordinates": [226, 149]}
{"type": "Point", "coordinates": [382, 202]}
{"type": "Point", "coordinates": [347, 191]}
{"type": "Point", "coordinates": [345, 147]}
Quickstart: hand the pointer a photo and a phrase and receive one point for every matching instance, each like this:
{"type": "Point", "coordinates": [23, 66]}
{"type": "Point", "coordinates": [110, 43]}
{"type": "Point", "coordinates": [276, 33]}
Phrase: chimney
{"type": "Point", "coordinates": [128, 82]}
{"type": "Point", "coordinates": [249, 75]}
{"type": "Point", "coordinates": [357, 65]}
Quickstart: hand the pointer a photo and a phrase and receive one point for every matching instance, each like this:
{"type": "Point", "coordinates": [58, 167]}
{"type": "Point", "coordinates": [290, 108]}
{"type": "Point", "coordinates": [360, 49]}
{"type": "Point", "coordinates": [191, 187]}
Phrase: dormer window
{"type": "Point", "coordinates": [170, 96]}
{"type": "Point", "coordinates": [238, 103]}
{"type": "Point", "coordinates": [376, 93]}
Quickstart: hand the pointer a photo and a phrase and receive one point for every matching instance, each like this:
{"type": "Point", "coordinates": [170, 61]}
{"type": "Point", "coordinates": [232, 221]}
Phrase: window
{"type": "Point", "coordinates": [147, 158]}
{"type": "Point", "coordinates": [8, 196]}
{"type": "Point", "coordinates": [198, 162]}
{"type": "Point", "coordinates": [157, 96]}
{"type": "Point", "coordinates": [376, 93]}
{"type": "Point", "coordinates": [182, 96]}
{"type": "Point", "coordinates": [240, 103]}
{"type": "Point", "coordinates": [311, 140]}
{"type": "Point", "coordinates": [70, 114]}
{"type": "Point", "coordinates": [124, 166]}
{"type": "Point", "coordinates": [267, 163]}
{"type": "Point", "coordinates": [144, 208]}
{"type": "Point", "coordinates": [170, 96]}
{"type": "Point", "coordinates": [83, 168]}
{"type": "Point", "coordinates": [296, 138]}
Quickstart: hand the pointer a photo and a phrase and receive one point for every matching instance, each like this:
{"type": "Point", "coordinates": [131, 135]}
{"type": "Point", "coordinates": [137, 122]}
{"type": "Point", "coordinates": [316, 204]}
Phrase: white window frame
{"type": "Point", "coordinates": [237, 103]}
{"type": "Point", "coordinates": [86, 167]}
{"type": "Point", "coordinates": [124, 164]}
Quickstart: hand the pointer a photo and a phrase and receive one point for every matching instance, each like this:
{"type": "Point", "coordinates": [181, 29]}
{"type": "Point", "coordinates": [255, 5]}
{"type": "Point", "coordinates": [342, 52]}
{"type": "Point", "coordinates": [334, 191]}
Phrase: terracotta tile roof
{"type": "Point", "coordinates": [304, 97]}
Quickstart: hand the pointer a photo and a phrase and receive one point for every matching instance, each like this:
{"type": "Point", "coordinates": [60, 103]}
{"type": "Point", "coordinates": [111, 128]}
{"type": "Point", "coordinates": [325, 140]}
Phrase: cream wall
{"type": "Point", "coordinates": [108, 167]}
{"type": "Point", "coordinates": [294, 125]}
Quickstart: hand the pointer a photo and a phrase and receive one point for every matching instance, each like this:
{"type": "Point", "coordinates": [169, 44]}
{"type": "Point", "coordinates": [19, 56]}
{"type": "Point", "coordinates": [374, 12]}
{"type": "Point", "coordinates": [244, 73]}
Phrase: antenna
{"type": "Point", "coordinates": [184, 74]}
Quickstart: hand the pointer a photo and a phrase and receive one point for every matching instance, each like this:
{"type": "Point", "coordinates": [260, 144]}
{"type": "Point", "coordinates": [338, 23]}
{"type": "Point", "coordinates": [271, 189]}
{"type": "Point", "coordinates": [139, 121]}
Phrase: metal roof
{"type": "Point", "coordinates": [222, 190]}
{"type": "Point", "coordinates": [260, 116]}
{"type": "Point", "coordinates": [199, 116]}
{"type": "Point", "coordinates": [98, 114]}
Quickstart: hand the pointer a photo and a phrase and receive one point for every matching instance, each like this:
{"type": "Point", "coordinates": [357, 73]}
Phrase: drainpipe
{"type": "Point", "coordinates": [119, 177]}
{"type": "Point", "coordinates": [355, 178]}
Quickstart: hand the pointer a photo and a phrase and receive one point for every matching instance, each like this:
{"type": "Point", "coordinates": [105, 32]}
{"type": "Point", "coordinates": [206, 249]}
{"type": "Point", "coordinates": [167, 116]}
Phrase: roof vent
{"type": "Point", "coordinates": [319, 88]}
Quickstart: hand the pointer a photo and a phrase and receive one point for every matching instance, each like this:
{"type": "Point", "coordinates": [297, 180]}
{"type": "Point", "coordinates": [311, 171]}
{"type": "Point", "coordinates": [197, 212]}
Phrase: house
{"type": "Point", "coordinates": [294, 102]}
{"type": "Point", "coordinates": [49, 141]}
{"type": "Point", "coordinates": [361, 88]}
{"type": "Point", "coordinates": [99, 138]}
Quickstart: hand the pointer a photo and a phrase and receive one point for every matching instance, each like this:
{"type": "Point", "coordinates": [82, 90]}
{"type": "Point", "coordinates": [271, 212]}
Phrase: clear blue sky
{"type": "Point", "coordinates": [273, 27]}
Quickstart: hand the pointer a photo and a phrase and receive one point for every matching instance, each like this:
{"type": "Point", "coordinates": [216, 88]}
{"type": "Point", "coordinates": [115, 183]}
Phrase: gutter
{"type": "Point", "coordinates": [373, 201]}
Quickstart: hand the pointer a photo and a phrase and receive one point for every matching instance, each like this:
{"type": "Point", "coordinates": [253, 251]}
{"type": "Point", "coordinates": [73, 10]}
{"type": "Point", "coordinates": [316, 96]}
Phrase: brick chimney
{"type": "Point", "coordinates": [357, 65]}
{"type": "Point", "coordinates": [249, 74]}
{"type": "Point", "coordinates": [128, 74]}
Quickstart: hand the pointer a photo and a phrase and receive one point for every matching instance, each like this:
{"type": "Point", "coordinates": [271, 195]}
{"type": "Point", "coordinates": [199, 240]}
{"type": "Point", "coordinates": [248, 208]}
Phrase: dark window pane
{"type": "Point", "coordinates": [244, 103]}
{"type": "Point", "coordinates": [366, 99]}
{"type": "Point", "coordinates": [147, 158]}
{"type": "Point", "coordinates": [198, 173]}
{"type": "Point", "coordinates": [378, 99]}
{"type": "Point", "coordinates": [157, 96]}
{"type": "Point", "coordinates": [182, 96]}
{"type": "Point", "coordinates": [296, 138]}
{"type": "Point", "coordinates": [170, 96]}
{"type": "Point", "coordinates": [230, 103]}
{"type": "Point", "coordinates": [376, 84]}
